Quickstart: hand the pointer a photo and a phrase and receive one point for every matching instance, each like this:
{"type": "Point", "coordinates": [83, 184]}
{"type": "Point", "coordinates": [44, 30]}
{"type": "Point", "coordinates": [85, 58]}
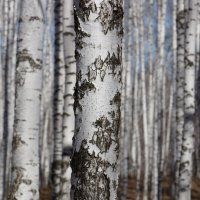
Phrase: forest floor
{"type": "Point", "coordinates": [45, 192]}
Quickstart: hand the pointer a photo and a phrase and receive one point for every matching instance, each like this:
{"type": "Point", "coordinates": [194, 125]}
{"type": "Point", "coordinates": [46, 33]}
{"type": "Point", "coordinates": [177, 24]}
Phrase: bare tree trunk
{"type": "Point", "coordinates": [144, 101]}
{"type": "Point", "coordinates": [151, 86]}
{"type": "Point", "coordinates": [98, 27]}
{"type": "Point", "coordinates": [126, 103]}
{"type": "Point", "coordinates": [25, 145]}
{"type": "Point", "coordinates": [70, 80]}
{"type": "Point", "coordinates": [179, 87]}
{"type": "Point", "coordinates": [186, 163]}
{"type": "Point", "coordinates": [59, 91]}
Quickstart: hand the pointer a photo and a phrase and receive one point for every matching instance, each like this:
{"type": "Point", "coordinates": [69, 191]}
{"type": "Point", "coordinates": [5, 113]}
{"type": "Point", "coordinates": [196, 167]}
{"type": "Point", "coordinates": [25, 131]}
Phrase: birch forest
{"type": "Point", "coordinates": [99, 99]}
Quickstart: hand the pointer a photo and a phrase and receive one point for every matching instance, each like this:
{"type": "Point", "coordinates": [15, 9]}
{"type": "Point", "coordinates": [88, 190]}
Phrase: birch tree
{"type": "Point", "coordinates": [179, 86]}
{"type": "Point", "coordinates": [125, 103]}
{"type": "Point", "coordinates": [9, 93]}
{"type": "Point", "coordinates": [187, 150]}
{"type": "Point", "coordinates": [151, 85]}
{"type": "Point", "coordinates": [144, 102]}
{"type": "Point", "coordinates": [70, 80]}
{"type": "Point", "coordinates": [59, 89]}
{"type": "Point", "coordinates": [98, 25]}
{"type": "Point", "coordinates": [25, 145]}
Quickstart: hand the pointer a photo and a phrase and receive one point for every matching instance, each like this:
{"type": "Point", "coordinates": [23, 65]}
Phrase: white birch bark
{"type": "Point", "coordinates": [97, 99]}
{"type": "Point", "coordinates": [151, 85]}
{"type": "Point", "coordinates": [154, 192]}
{"type": "Point", "coordinates": [70, 80]}
{"type": "Point", "coordinates": [163, 85]}
{"type": "Point", "coordinates": [59, 90]}
{"type": "Point", "coordinates": [197, 108]}
{"type": "Point", "coordinates": [25, 145]}
{"type": "Point", "coordinates": [179, 87]}
{"type": "Point", "coordinates": [186, 163]}
{"type": "Point", "coordinates": [136, 150]}
{"type": "Point", "coordinates": [144, 102]}
{"type": "Point", "coordinates": [10, 90]}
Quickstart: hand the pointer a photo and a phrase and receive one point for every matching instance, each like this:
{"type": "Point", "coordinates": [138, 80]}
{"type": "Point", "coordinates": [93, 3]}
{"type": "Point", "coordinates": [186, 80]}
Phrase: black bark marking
{"type": "Point", "coordinates": [33, 18]}
{"type": "Point", "coordinates": [17, 141]}
{"type": "Point", "coordinates": [85, 8]}
{"type": "Point", "coordinates": [16, 182]}
{"type": "Point", "coordinates": [23, 56]}
{"type": "Point", "coordinates": [111, 63]}
{"type": "Point", "coordinates": [80, 34]}
{"type": "Point", "coordinates": [90, 170]}
{"type": "Point", "coordinates": [103, 136]}
{"type": "Point", "coordinates": [111, 15]}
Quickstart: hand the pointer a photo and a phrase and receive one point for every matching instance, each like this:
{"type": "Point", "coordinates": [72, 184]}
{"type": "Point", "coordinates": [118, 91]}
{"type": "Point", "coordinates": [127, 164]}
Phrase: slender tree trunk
{"type": "Point", "coordinates": [187, 150]}
{"type": "Point", "coordinates": [126, 94]}
{"type": "Point", "coordinates": [144, 102]}
{"type": "Point", "coordinates": [70, 80]}
{"type": "Point", "coordinates": [154, 194]}
{"type": "Point", "coordinates": [136, 100]}
{"type": "Point", "coordinates": [59, 90]}
{"type": "Point", "coordinates": [25, 145]}
{"type": "Point", "coordinates": [150, 91]}
{"type": "Point", "coordinates": [9, 90]}
{"type": "Point", "coordinates": [46, 131]}
{"type": "Point", "coordinates": [97, 99]}
{"type": "Point", "coordinates": [179, 87]}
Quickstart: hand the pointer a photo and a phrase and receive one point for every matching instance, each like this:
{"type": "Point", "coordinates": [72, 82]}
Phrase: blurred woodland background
{"type": "Point", "coordinates": [100, 99]}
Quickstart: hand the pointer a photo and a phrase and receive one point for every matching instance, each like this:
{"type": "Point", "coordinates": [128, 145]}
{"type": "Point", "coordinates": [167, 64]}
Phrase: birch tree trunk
{"type": "Point", "coordinates": [187, 150]}
{"type": "Point", "coordinates": [163, 98]}
{"type": "Point", "coordinates": [9, 93]}
{"type": "Point", "coordinates": [98, 25]}
{"type": "Point", "coordinates": [144, 101]}
{"type": "Point", "coordinates": [171, 116]}
{"type": "Point", "coordinates": [25, 145]}
{"type": "Point", "coordinates": [70, 80]}
{"type": "Point", "coordinates": [59, 90]}
{"type": "Point", "coordinates": [154, 194]}
{"type": "Point", "coordinates": [136, 99]}
{"type": "Point", "coordinates": [4, 37]}
{"type": "Point", "coordinates": [126, 101]}
{"type": "Point", "coordinates": [1, 106]}
{"type": "Point", "coordinates": [179, 87]}
{"type": "Point", "coordinates": [151, 86]}
{"type": "Point", "coordinates": [46, 109]}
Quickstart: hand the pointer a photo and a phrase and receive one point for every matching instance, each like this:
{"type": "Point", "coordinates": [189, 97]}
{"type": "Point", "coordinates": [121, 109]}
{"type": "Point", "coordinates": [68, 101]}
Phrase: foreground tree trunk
{"type": "Point", "coordinates": [98, 25]}
{"type": "Point", "coordinates": [186, 162]}
{"type": "Point", "coordinates": [25, 145]}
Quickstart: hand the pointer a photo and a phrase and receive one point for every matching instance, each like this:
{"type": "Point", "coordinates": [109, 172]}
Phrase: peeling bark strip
{"type": "Point", "coordinates": [98, 25]}
{"type": "Point", "coordinates": [25, 171]}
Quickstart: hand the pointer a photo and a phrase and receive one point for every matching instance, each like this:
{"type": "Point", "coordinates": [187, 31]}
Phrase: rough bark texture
{"type": "Point", "coordinates": [25, 169]}
{"type": "Point", "coordinates": [98, 25]}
